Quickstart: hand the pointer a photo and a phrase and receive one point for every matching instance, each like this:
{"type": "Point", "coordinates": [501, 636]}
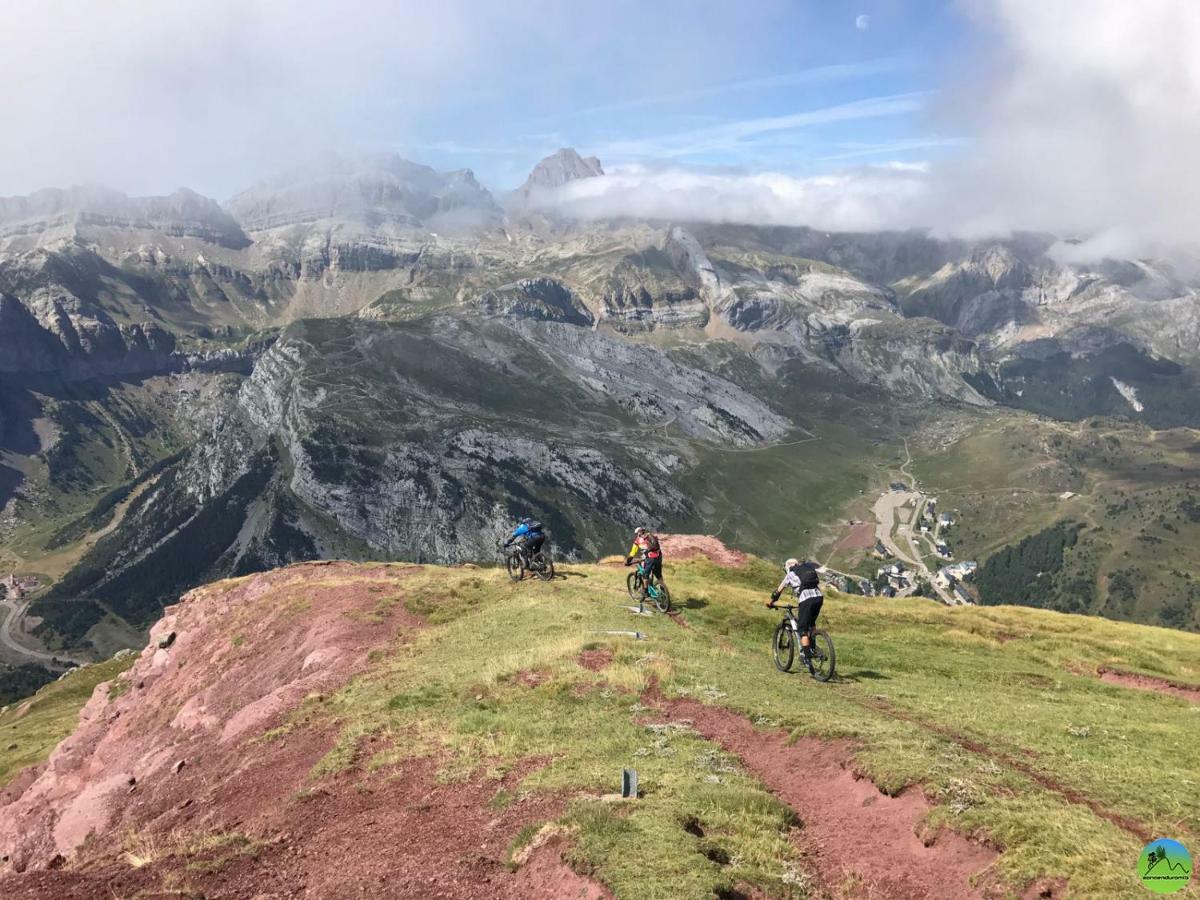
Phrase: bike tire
{"type": "Point", "coordinates": [512, 563]}
{"type": "Point", "coordinates": [662, 598]}
{"type": "Point", "coordinates": [633, 584]}
{"type": "Point", "coordinates": [543, 565]}
{"type": "Point", "coordinates": [824, 659]}
{"type": "Point", "coordinates": [783, 646]}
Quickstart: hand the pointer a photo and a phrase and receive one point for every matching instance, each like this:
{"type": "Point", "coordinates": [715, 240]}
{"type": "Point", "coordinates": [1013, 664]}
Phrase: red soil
{"type": "Point", "coordinates": [181, 753]}
{"type": "Point", "coordinates": [860, 537]}
{"type": "Point", "coordinates": [677, 617]}
{"type": "Point", "coordinates": [595, 660]}
{"type": "Point", "coordinates": [688, 546]}
{"type": "Point", "coordinates": [246, 653]}
{"type": "Point", "coordinates": [861, 842]}
{"type": "Point", "coordinates": [1149, 683]}
{"type": "Point", "coordinates": [402, 835]}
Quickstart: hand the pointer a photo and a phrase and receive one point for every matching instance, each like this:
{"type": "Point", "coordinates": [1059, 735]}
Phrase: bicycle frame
{"type": "Point", "coordinates": [794, 623]}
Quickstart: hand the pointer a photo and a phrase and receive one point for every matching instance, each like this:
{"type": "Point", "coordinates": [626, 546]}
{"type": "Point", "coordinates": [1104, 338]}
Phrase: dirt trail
{"type": "Point", "coordinates": [1149, 683]}
{"type": "Point", "coordinates": [863, 844]}
{"type": "Point", "coordinates": [1071, 795]}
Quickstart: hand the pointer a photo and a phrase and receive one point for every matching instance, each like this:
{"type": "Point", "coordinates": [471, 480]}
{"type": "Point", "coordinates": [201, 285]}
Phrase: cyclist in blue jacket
{"type": "Point", "coordinates": [529, 535]}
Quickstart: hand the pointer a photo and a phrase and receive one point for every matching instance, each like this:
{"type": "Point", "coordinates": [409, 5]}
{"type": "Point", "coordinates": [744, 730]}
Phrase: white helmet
{"type": "Point", "coordinates": [787, 566]}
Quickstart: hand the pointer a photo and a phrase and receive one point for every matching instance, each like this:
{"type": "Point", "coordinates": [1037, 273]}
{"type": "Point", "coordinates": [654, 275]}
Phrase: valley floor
{"type": "Point", "coordinates": [961, 752]}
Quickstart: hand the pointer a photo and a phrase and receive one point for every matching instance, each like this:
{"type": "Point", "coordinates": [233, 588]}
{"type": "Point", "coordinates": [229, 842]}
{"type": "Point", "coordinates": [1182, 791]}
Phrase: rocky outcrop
{"type": "Point", "coordinates": [181, 214]}
{"type": "Point", "coordinates": [543, 299]}
{"type": "Point", "coordinates": [223, 666]}
{"type": "Point", "coordinates": [557, 169]}
{"type": "Point", "coordinates": [374, 192]}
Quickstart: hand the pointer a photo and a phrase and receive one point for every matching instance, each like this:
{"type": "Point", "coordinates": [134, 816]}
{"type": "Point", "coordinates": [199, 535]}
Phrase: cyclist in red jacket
{"type": "Point", "coordinates": [647, 551]}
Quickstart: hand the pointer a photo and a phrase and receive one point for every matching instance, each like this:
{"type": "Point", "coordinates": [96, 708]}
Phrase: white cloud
{"type": "Point", "coordinates": [862, 22]}
{"type": "Point", "coordinates": [862, 199]}
{"type": "Point", "coordinates": [814, 75]}
{"type": "Point", "coordinates": [1083, 121]}
{"type": "Point", "coordinates": [1088, 125]}
{"type": "Point", "coordinates": [732, 136]}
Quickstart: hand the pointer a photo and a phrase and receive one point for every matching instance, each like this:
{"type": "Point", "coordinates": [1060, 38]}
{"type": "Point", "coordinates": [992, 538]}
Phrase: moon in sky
{"type": "Point", "coordinates": [863, 22]}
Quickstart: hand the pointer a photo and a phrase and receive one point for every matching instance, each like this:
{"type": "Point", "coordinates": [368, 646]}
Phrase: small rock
{"type": "Point", "coordinates": [166, 640]}
{"type": "Point", "coordinates": [178, 766]}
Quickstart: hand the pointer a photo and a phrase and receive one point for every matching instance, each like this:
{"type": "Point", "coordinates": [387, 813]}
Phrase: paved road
{"type": "Point", "coordinates": [10, 615]}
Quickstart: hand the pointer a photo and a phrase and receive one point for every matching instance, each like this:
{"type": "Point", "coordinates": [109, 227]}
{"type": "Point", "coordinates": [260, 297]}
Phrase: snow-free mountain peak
{"type": "Point", "coordinates": [559, 168]}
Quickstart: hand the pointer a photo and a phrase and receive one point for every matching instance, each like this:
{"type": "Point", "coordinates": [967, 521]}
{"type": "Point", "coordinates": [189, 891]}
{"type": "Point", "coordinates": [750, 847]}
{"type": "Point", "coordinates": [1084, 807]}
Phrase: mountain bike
{"type": "Point", "coordinates": [640, 588]}
{"type": "Point", "coordinates": [517, 562]}
{"type": "Point", "coordinates": [785, 644]}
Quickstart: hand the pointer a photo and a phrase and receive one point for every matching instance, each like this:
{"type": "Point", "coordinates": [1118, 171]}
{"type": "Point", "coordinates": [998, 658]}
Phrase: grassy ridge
{"type": "Point", "coordinates": [919, 681]}
{"type": "Point", "coordinates": [996, 713]}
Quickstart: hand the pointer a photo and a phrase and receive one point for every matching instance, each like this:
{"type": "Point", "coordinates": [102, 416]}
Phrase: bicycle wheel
{"type": "Point", "coordinates": [543, 565]}
{"type": "Point", "coordinates": [824, 660]}
{"type": "Point", "coordinates": [512, 563]}
{"type": "Point", "coordinates": [633, 583]}
{"type": "Point", "coordinates": [661, 596]}
{"type": "Point", "coordinates": [783, 646]}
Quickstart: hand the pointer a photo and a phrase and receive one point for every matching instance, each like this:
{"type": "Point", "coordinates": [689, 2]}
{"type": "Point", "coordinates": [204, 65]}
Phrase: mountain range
{"type": "Point", "coordinates": [369, 358]}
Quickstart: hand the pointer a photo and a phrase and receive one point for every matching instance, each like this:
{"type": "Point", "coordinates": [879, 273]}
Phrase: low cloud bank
{"type": "Point", "coordinates": [1083, 122]}
{"type": "Point", "coordinates": [862, 199]}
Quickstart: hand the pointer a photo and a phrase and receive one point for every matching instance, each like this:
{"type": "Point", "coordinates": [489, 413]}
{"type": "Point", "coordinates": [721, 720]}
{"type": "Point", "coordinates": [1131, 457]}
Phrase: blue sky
{"type": "Point", "coordinates": [793, 87]}
{"type": "Point", "coordinates": [147, 96]}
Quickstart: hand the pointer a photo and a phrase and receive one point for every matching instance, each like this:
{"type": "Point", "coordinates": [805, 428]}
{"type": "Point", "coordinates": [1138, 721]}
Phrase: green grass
{"type": "Point", "coordinates": [995, 713]}
{"type": "Point", "coordinates": [918, 679]}
{"type": "Point", "coordinates": [31, 728]}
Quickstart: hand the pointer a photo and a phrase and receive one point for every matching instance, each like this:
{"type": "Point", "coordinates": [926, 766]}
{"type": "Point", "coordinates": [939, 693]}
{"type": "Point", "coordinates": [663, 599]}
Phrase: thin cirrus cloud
{"type": "Point", "coordinates": [810, 76]}
{"type": "Point", "coordinates": [730, 136]}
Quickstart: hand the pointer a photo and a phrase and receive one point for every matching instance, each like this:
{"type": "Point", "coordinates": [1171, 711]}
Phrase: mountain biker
{"type": "Point", "coordinates": [528, 535]}
{"type": "Point", "coordinates": [802, 578]}
{"type": "Point", "coordinates": [647, 551]}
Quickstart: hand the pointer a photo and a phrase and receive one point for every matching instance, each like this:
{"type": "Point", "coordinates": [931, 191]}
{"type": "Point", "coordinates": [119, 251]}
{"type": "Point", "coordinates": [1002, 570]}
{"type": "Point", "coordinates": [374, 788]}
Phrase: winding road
{"type": "Point", "coordinates": [886, 508]}
{"type": "Point", "coordinates": [11, 613]}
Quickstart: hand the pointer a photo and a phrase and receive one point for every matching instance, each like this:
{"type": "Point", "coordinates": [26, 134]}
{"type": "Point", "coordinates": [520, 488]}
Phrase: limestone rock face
{"type": "Point", "coordinates": [559, 168]}
{"type": "Point", "coordinates": [370, 358]}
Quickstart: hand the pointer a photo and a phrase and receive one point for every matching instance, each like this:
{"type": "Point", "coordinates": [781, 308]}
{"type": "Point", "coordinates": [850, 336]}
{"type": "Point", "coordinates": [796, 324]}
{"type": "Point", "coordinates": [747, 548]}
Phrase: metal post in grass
{"type": "Point", "coordinates": [629, 784]}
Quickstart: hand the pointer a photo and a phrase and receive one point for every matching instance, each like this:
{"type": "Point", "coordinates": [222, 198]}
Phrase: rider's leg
{"type": "Point", "coordinates": [806, 618]}
{"type": "Point", "coordinates": [656, 568]}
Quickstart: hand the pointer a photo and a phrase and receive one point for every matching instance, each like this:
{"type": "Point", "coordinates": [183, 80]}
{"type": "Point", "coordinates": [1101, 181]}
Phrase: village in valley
{"type": "Point", "coordinates": [909, 529]}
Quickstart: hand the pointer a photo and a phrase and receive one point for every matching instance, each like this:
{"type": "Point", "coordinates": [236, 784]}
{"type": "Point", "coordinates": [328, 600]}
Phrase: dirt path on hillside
{"type": "Point", "coordinates": [1047, 782]}
{"type": "Point", "coordinates": [862, 843]}
{"type": "Point", "coordinates": [1149, 683]}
